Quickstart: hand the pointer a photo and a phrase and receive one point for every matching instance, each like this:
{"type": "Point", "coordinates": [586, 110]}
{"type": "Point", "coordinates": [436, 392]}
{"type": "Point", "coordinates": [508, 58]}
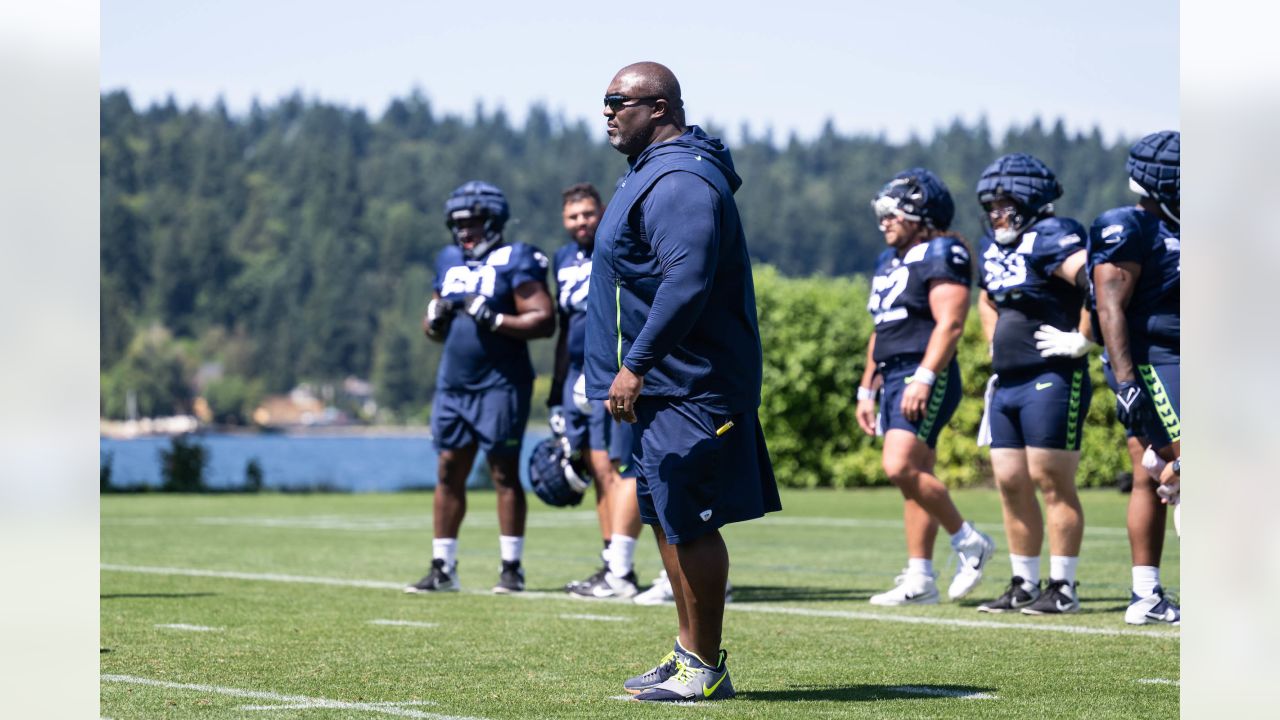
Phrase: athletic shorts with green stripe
{"type": "Point", "coordinates": [944, 398]}
{"type": "Point", "coordinates": [1163, 383]}
{"type": "Point", "coordinates": [1040, 408]}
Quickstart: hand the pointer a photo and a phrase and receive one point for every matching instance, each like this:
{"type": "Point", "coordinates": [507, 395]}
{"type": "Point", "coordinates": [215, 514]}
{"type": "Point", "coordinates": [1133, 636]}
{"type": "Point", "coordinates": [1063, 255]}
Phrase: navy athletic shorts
{"type": "Point", "coordinates": [1163, 384]}
{"type": "Point", "coordinates": [494, 419]}
{"type": "Point", "coordinates": [621, 447]}
{"type": "Point", "coordinates": [690, 479]}
{"type": "Point", "coordinates": [943, 400]}
{"type": "Point", "coordinates": [1044, 409]}
{"type": "Point", "coordinates": [582, 428]}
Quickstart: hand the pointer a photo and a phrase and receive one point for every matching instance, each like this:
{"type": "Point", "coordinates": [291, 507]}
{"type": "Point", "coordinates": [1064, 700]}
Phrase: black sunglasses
{"type": "Point", "coordinates": [617, 102]}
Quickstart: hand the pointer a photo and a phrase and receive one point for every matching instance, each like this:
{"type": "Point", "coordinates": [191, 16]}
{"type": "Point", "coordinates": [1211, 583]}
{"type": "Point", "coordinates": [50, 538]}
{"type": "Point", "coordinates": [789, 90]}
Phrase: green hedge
{"type": "Point", "coordinates": [815, 331]}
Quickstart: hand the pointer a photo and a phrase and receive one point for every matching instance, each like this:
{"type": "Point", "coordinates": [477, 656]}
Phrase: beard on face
{"type": "Point", "coordinates": [632, 143]}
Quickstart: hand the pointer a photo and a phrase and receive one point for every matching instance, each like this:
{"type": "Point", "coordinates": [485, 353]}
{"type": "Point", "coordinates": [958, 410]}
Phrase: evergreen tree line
{"type": "Point", "coordinates": [296, 242]}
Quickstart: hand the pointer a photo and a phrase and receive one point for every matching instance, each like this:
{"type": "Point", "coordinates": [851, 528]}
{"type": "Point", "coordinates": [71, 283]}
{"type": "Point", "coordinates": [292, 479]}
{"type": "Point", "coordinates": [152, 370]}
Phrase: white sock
{"type": "Point", "coordinates": [1063, 567]}
{"type": "Point", "coordinates": [920, 566]}
{"type": "Point", "coordinates": [1145, 579]}
{"type": "Point", "coordinates": [621, 555]}
{"type": "Point", "coordinates": [511, 547]}
{"type": "Point", "coordinates": [1026, 567]}
{"type": "Point", "coordinates": [445, 549]}
{"type": "Point", "coordinates": [963, 535]}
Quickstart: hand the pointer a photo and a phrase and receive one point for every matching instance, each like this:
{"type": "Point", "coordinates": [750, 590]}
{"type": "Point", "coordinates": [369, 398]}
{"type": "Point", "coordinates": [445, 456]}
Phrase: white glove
{"type": "Point", "coordinates": [1052, 342]}
{"type": "Point", "coordinates": [1169, 492]}
{"type": "Point", "coordinates": [580, 394]}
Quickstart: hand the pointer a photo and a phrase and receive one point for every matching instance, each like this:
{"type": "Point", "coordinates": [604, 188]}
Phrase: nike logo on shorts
{"type": "Point", "coordinates": [1042, 386]}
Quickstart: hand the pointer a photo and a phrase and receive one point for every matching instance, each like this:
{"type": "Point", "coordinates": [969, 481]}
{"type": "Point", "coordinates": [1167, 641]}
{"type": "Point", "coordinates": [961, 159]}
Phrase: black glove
{"type": "Point", "coordinates": [440, 313]}
{"type": "Point", "coordinates": [479, 311]}
{"type": "Point", "coordinates": [1132, 406]}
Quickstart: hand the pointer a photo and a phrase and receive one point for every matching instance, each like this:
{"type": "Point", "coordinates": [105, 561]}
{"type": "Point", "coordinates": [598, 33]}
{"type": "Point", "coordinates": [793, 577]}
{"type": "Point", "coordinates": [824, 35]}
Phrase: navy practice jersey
{"type": "Point", "coordinates": [476, 358]}
{"type": "Point", "coordinates": [572, 269]}
{"type": "Point", "coordinates": [899, 302]}
{"type": "Point", "coordinates": [1131, 234]}
{"type": "Point", "coordinates": [1020, 281]}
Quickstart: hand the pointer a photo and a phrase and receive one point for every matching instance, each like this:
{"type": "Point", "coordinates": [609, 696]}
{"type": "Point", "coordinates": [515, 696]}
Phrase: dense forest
{"type": "Point", "coordinates": [242, 255]}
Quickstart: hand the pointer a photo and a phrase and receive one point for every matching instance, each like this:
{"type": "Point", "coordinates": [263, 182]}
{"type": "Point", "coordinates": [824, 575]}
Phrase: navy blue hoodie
{"type": "Point", "coordinates": [672, 297]}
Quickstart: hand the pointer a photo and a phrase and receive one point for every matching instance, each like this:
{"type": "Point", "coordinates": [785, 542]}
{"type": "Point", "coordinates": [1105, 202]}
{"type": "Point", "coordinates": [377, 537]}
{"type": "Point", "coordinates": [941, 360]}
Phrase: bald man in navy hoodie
{"type": "Point", "coordinates": [673, 346]}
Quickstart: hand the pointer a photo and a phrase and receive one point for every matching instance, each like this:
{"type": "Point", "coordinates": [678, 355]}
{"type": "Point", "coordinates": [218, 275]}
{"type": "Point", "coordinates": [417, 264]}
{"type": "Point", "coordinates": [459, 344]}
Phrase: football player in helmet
{"type": "Point", "coordinates": [1033, 288]}
{"type": "Point", "coordinates": [1135, 263]}
{"type": "Point", "coordinates": [490, 299]}
{"type": "Point", "coordinates": [919, 300]}
{"type": "Point", "coordinates": [586, 424]}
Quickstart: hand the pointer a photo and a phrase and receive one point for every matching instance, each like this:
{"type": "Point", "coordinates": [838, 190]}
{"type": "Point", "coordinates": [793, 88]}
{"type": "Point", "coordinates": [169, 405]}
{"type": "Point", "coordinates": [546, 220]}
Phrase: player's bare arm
{"type": "Point", "coordinates": [949, 303]}
{"type": "Point", "coordinates": [1114, 283]}
{"type": "Point", "coordinates": [534, 316]}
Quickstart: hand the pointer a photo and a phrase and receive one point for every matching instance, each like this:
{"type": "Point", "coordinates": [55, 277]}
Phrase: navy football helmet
{"type": "Point", "coordinates": [478, 199]}
{"type": "Point", "coordinates": [1154, 169]}
{"type": "Point", "coordinates": [1025, 181]}
{"type": "Point", "coordinates": [553, 475]}
{"type": "Point", "coordinates": [917, 195]}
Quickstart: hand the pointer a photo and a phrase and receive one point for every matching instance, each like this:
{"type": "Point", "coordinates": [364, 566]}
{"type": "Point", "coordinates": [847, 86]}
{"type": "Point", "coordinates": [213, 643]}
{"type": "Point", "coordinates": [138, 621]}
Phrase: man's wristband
{"type": "Point", "coordinates": [924, 376]}
{"type": "Point", "coordinates": [866, 394]}
{"type": "Point", "coordinates": [497, 320]}
{"type": "Point", "coordinates": [1177, 466]}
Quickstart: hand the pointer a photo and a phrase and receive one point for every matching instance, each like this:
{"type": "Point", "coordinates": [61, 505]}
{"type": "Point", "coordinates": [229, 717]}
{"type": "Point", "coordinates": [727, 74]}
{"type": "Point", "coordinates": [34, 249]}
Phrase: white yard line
{"type": "Point", "coordinates": [603, 618]}
{"type": "Point", "coordinates": [289, 701]}
{"type": "Point", "coordinates": [404, 623]}
{"type": "Point", "coordinates": [1159, 681]}
{"type": "Point", "coordinates": [191, 628]}
{"type": "Point", "coordinates": [947, 622]}
{"type": "Point", "coordinates": [943, 692]}
{"type": "Point", "coordinates": [738, 607]}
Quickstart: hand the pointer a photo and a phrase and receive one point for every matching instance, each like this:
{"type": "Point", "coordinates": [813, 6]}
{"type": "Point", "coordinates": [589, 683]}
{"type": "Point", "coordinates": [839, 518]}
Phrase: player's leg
{"type": "Point", "coordinates": [456, 445]}
{"type": "Point", "coordinates": [584, 432]}
{"type": "Point", "coordinates": [505, 415]}
{"type": "Point", "coordinates": [1054, 471]}
{"type": "Point", "coordinates": [1024, 527]}
{"type": "Point", "coordinates": [908, 460]}
{"type": "Point", "coordinates": [1147, 514]}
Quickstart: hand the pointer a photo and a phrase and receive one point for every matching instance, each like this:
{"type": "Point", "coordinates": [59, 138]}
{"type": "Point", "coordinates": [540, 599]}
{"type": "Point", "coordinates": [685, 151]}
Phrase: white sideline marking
{"type": "Point", "coordinates": [404, 623]}
{"type": "Point", "coordinates": [308, 707]}
{"type": "Point", "coordinates": [1160, 681]}
{"type": "Point", "coordinates": [297, 701]}
{"type": "Point", "coordinates": [605, 618]}
{"type": "Point", "coordinates": [739, 607]}
{"type": "Point", "coordinates": [192, 628]}
{"type": "Point", "coordinates": [951, 622]}
{"type": "Point", "coordinates": [943, 692]}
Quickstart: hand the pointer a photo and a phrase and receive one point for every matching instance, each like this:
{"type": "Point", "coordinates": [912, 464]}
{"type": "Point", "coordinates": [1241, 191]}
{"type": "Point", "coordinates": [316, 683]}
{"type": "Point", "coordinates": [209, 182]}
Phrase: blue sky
{"type": "Point", "coordinates": [869, 67]}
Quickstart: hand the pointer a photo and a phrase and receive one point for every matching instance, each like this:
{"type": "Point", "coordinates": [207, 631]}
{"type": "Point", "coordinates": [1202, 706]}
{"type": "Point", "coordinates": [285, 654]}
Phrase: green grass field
{"type": "Point", "coordinates": [286, 607]}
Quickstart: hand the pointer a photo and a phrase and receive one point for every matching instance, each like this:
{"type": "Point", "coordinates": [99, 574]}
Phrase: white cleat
{"type": "Point", "coordinates": [909, 589]}
{"type": "Point", "coordinates": [973, 556]}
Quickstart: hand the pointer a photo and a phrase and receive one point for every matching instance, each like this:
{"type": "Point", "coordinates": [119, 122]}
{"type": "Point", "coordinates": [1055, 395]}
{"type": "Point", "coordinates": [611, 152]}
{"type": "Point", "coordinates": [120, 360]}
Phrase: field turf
{"type": "Point", "coordinates": [289, 606]}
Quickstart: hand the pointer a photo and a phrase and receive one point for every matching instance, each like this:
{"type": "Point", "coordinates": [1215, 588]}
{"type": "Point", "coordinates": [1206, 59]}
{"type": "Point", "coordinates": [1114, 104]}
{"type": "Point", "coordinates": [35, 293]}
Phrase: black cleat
{"type": "Point", "coordinates": [510, 578]}
{"type": "Point", "coordinates": [1059, 597]}
{"type": "Point", "coordinates": [608, 587]}
{"type": "Point", "coordinates": [1020, 594]}
{"type": "Point", "coordinates": [436, 580]}
{"type": "Point", "coordinates": [592, 579]}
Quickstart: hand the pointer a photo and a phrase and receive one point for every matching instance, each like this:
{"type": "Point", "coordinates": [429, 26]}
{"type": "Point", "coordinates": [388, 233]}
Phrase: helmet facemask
{"type": "Point", "coordinates": [492, 232]}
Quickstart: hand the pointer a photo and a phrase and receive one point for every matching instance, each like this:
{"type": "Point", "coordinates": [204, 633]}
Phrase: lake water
{"type": "Point", "coordinates": [353, 463]}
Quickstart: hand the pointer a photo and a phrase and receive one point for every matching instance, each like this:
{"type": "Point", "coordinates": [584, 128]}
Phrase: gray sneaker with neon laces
{"type": "Point", "coordinates": [659, 674]}
{"type": "Point", "coordinates": [693, 681]}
